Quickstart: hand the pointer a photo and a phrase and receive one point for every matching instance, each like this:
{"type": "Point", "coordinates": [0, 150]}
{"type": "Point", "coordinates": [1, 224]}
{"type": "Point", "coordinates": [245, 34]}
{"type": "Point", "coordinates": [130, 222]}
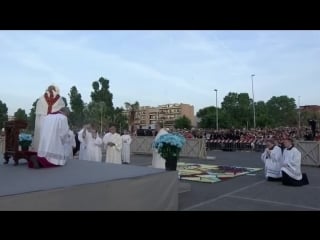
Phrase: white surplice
{"type": "Point", "coordinates": [113, 154]}
{"type": "Point", "coordinates": [84, 140]}
{"type": "Point", "coordinates": [41, 112]}
{"type": "Point", "coordinates": [94, 148]}
{"type": "Point", "coordinates": [157, 160]}
{"type": "Point", "coordinates": [105, 139]}
{"type": "Point", "coordinates": [292, 163]}
{"type": "Point", "coordinates": [272, 162]}
{"type": "Point", "coordinates": [53, 139]}
{"type": "Point", "coordinates": [125, 153]}
{"type": "Point", "coordinates": [70, 143]}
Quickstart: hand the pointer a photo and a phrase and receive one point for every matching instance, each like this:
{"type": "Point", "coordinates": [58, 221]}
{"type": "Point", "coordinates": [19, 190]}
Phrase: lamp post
{"type": "Point", "coordinates": [217, 119]}
{"type": "Point", "coordinates": [254, 109]}
{"type": "Point", "coordinates": [101, 113]}
{"type": "Point", "coordinates": [299, 116]}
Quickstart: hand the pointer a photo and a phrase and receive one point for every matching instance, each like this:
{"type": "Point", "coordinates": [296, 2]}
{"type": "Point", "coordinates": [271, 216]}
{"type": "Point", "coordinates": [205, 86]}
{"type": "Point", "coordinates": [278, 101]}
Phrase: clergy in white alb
{"type": "Point", "coordinates": [157, 160]}
{"type": "Point", "coordinates": [291, 169]}
{"type": "Point", "coordinates": [114, 147]}
{"type": "Point", "coordinates": [51, 101]}
{"type": "Point", "coordinates": [272, 158]}
{"type": "Point", "coordinates": [105, 139]}
{"type": "Point", "coordinates": [94, 146]}
{"type": "Point", "coordinates": [51, 151]}
{"type": "Point", "coordinates": [126, 144]}
{"type": "Point", "coordinates": [84, 140]}
{"type": "Point", "coordinates": [70, 144]}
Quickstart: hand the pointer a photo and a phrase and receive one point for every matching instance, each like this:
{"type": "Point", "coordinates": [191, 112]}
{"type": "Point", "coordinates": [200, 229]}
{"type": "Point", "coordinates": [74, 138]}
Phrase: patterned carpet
{"type": "Point", "coordinates": [211, 173]}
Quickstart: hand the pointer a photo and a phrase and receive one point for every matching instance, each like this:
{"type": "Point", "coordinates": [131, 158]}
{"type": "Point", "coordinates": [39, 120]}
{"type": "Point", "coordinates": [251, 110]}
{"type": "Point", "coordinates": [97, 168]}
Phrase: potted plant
{"type": "Point", "coordinates": [25, 141]}
{"type": "Point", "coordinates": [169, 147]}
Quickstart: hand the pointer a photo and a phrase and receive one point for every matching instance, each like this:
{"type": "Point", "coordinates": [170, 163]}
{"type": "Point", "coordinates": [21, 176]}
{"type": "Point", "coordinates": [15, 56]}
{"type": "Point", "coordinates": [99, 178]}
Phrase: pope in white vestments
{"type": "Point", "coordinates": [126, 142]}
{"type": "Point", "coordinates": [157, 160]}
{"type": "Point", "coordinates": [50, 102]}
{"type": "Point", "coordinates": [51, 150]}
{"type": "Point", "coordinates": [114, 147]}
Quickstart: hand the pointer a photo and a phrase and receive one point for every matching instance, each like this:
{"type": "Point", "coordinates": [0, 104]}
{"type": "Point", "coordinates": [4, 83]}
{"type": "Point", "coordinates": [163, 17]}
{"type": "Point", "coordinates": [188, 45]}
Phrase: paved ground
{"type": "Point", "coordinates": [245, 193]}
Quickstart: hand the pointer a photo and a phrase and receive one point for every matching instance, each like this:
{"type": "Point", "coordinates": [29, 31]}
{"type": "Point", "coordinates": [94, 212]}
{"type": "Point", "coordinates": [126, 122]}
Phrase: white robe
{"type": "Point", "coordinates": [292, 163]}
{"type": "Point", "coordinates": [94, 148]}
{"type": "Point", "coordinates": [83, 151]}
{"type": "Point", "coordinates": [53, 139]}
{"type": "Point", "coordinates": [157, 160]}
{"type": "Point", "coordinates": [41, 112]}
{"type": "Point", "coordinates": [105, 139]}
{"type": "Point", "coordinates": [273, 163]}
{"type": "Point", "coordinates": [114, 153]}
{"type": "Point", "coordinates": [70, 143]}
{"type": "Point", "coordinates": [125, 153]}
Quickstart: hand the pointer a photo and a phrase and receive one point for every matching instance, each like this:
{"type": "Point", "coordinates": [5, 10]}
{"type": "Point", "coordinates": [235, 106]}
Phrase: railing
{"type": "Point", "coordinates": [235, 145]}
{"type": "Point", "coordinates": [195, 148]}
{"type": "Point", "coordinates": [310, 152]}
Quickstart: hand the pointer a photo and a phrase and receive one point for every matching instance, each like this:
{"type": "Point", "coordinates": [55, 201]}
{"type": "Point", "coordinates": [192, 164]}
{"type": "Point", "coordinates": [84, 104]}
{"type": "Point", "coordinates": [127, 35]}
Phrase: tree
{"type": "Point", "coordinates": [132, 110]}
{"type": "Point", "coordinates": [77, 108]}
{"type": "Point", "coordinates": [32, 116]}
{"type": "Point", "coordinates": [182, 122]}
{"type": "Point", "coordinates": [120, 119]}
{"type": "Point", "coordinates": [236, 109]}
{"type": "Point", "coordinates": [20, 114]}
{"type": "Point", "coordinates": [263, 119]}
{"type": "Point", "coordinates": [102, 99]}
{"type": "Point", "coordinates": [3, 114]}
{"type": "Point", "coordinates": [65, 101]}
{"type": "Point", "coordinates": [208, 117]}
{"type": "Point", "coordinates": [282, 111]}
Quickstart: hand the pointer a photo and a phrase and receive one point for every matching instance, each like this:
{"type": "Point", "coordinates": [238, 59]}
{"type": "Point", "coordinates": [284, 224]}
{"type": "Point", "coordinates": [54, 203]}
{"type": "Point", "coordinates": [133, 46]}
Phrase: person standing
{"type": "Point", "coordinates": [126, 142]}
{"type": "Point", "coordinates": [272, 158]}
{"type": "Point", "coordinates": [114, 146]}
{"type": "Point", "coordinates": [94, 146]}
{"type": "Point", "coordinates": [51, 150]}
{"type": "Point", "coordinates": [157, 160]}
{"type": "Point", "coordinates": [105, 140]}
{"type": "Point", "coordinates": [49, 102]}
{"type": "Point", "coordinates": [70, 144]}
{"type": "Point", "coordinates": [83, 139]}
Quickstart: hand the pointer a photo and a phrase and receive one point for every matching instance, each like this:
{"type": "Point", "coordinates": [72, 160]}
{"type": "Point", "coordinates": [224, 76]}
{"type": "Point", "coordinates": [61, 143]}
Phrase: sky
{"type": "Point", "coordinates": [159, 67]}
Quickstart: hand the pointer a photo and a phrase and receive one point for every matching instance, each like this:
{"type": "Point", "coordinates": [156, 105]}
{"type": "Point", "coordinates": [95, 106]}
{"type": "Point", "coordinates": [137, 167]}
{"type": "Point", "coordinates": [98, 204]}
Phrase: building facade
{"type": "Point", "coordinates": [148, 116]}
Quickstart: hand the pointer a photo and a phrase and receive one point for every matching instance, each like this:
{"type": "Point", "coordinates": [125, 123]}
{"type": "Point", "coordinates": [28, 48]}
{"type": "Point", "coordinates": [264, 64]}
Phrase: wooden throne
{"type": "Point", "coordinates": [12, 131]}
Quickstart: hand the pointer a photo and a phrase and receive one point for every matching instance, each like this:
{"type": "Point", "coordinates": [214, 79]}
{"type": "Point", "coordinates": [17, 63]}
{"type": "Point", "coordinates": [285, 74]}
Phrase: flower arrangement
{"type": "Point", "coordinates": [169, 145]}
{"type": "Point", "coordinates": [25, 140]}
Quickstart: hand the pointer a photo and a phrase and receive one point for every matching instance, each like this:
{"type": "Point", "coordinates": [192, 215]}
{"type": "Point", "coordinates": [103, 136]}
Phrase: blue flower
{"type": "Point", "coordinates": [25, 137]}
{"type": "Point", "coordinates": [169, 145]}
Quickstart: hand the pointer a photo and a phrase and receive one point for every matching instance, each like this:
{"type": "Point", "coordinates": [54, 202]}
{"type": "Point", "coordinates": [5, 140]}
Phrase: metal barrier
{"type": "Point", "coordinates": [195, 148]}
{"type": "Point", "coordinates": [234, 145]}
{"type": "Point", "coordinates": [310, 152]}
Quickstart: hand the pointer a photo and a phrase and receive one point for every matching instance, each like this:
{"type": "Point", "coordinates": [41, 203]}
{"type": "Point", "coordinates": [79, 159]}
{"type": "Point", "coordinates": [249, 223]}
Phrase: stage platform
{"type": "Point", "coordinates": [84, 185]}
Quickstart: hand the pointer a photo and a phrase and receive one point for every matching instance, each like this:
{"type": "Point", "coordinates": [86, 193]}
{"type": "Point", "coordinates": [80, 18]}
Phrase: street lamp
{"type": "Point", "coordinates": [299, 115]}
{"type": "Point", "coordinates": [254, 109]}
{"type": "Point", "coordinates": [217, 119]}
{"type": "Point", "coordinates": [101, 114]}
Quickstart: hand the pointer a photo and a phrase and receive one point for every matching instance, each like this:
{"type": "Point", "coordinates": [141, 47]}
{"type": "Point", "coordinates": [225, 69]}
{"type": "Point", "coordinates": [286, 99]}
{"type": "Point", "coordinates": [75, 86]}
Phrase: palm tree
{"type": "Point", "coordinates": [132, 109]}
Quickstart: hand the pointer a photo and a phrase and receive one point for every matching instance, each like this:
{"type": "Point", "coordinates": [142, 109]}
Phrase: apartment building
{"type": "Point", "coordinates": [147, 116]}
